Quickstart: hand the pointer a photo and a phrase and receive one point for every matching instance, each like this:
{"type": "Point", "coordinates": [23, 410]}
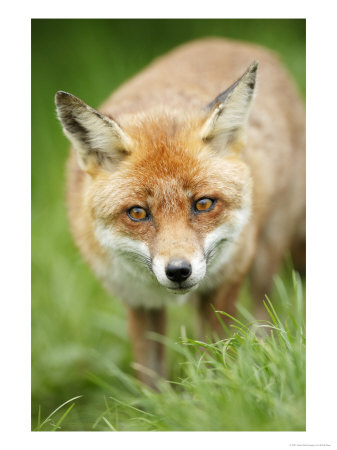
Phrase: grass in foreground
{"type": "Point", "coordinates": [254, 380]}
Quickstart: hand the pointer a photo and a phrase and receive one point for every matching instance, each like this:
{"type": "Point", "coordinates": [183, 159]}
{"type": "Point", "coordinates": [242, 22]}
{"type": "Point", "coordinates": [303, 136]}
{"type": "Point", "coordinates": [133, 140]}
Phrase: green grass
{"type": "Point", "coordinates": [254, 380]}
{"type": "Point", "coordinates": [79, 337]}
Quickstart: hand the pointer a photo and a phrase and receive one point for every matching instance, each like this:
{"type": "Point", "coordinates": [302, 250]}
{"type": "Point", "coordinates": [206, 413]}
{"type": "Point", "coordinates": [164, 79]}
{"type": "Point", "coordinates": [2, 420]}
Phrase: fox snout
{"type": "Point", "coordinates": [179, 274]}
{"type": "Point", "coordinates": [178, 270]}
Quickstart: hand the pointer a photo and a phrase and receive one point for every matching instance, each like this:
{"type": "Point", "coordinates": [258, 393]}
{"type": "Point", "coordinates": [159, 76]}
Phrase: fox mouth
{"type": "Point", "coordinates": [182, 289]}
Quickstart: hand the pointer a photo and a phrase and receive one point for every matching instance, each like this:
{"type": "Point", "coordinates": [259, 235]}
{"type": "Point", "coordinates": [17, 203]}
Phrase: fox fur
{"type": "Point", "coordinates": [214, 122]}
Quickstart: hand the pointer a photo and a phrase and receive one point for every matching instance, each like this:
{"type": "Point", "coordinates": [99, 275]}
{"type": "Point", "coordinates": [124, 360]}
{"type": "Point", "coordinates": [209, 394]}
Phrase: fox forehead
{"type": "Point", "coordinates": [168, 164]}
{"type": "Point", "coordinates": [166, 182]}
{"type": "Point", "coordinates": [164, 147]}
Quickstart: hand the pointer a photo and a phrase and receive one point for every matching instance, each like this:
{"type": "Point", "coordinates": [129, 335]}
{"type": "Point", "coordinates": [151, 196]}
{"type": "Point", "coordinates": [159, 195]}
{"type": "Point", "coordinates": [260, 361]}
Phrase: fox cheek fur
{"type": "Point", "coordinates": [174, 188]}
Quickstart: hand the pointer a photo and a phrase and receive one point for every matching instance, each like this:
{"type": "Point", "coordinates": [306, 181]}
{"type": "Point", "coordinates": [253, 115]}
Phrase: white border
{"type": "Point", "coordinates": [322, 225]}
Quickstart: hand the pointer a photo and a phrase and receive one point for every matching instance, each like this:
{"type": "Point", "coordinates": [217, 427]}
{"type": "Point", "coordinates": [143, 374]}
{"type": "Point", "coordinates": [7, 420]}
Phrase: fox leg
{"type": "Point", "coordinates": [267, 262]}
{"type": "Point", "coordinates": [284, 231]}
{"type": "Point", "coordinates": [148, 354]}
{"type": "Point", "coordinates": [298, 246]}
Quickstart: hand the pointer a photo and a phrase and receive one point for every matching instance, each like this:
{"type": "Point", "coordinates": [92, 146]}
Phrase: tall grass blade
{"type": "Point", "coordinates": [112, 428]}
{"type": "Point", "coordinates": [57, 425]}
{"type": "Point", "coordinates": [55, 411]}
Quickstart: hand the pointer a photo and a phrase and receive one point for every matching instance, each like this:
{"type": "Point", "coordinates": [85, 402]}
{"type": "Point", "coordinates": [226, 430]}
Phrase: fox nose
{"type": "Point", "coordinates": [178, 270]}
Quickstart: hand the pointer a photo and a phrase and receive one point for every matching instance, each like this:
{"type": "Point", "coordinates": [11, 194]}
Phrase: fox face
{"type": "Point", "coordinates": [171, 208]}
{"type": "Point", "coordinates": [166, 191]}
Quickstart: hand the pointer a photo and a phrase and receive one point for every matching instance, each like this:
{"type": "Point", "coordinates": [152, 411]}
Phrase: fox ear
{"type": "Point", "coordinates": [97, 139]}
{"type": "Point", "coordinates": [229, 111]}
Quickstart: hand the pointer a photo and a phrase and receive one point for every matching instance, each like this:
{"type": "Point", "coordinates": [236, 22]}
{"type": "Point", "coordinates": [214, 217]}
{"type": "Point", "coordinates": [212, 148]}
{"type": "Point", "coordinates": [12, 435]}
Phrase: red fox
{"type": "Point", "coordinates": [189, 179]}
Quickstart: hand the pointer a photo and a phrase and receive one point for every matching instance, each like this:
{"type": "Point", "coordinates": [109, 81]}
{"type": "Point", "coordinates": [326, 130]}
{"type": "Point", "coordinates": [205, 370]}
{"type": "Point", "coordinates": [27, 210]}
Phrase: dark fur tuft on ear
{"type": "Point", "coordinates": [228, 112]}
{"type": "Point", "coordinates": [96, 138]}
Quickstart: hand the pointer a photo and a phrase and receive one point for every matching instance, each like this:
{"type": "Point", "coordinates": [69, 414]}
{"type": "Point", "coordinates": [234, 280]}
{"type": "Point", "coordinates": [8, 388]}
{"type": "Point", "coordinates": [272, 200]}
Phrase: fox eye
{"type": "Point", "coordinates": [204, 204]}
{"type": "Point", "coordinates": [137, 213]}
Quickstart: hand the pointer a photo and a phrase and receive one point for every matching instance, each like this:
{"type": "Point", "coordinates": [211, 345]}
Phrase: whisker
{"type": "Point", "coordinates": [138, 257]}
{"type": "Point", "coordinates": [215, 247]}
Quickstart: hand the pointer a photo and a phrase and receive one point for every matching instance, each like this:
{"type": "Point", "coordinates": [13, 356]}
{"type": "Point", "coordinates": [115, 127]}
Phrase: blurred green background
{"type": "Point", "coordinates": [76, 327]}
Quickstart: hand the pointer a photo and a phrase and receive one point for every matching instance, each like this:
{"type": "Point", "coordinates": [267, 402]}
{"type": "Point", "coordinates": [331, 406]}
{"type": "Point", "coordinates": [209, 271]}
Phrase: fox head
{"type": "Point", "coordinates": [169, 191]}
